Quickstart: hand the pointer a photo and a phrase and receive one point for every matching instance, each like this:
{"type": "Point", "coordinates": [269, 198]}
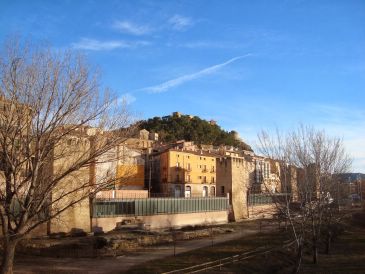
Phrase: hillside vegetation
{"type": "Point", "coordinates": [174, 128]}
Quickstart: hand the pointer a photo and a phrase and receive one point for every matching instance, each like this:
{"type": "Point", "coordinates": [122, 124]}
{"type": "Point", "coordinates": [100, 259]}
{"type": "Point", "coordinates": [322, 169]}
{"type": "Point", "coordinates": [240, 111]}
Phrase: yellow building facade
{"type": "Point", "coordinates": [187, 173]}
{"type": "Point", "coordinates": [130, 173]}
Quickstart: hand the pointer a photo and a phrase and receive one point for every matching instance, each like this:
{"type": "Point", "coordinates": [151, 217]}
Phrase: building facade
{"type": "Point", "coordinates": [183, 173]}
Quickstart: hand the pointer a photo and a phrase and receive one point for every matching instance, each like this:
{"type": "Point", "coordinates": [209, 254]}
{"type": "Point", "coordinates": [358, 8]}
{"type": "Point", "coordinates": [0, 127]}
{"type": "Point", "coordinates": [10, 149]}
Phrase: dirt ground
{"type": "Point", "coordinates": [49, 263]}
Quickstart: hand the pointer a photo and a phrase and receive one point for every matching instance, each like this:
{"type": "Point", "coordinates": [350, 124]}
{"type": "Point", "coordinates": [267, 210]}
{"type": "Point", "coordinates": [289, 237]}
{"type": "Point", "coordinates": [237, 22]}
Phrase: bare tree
{"type": "Point", "coordinates": [55, 123]}
{"type": "Point", "coordinates": [309, 162]}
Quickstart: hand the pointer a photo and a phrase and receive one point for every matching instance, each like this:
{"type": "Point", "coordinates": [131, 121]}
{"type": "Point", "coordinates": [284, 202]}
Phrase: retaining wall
{"type": "Point", "coordinates": [165, 220]}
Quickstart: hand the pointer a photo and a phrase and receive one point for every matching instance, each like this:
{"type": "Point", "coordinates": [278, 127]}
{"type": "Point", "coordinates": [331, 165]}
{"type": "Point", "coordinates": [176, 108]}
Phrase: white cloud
{"type": "Point", "coordinates": [92, 44]}
{"type": "Point", "coordinates": [210, 44]}
{"type": "Point", "coordinates": [127, 98]}
{"type": "Point", "coordinates": [189, 77]}
{"type": "Point", "coordinates": [179, 22]}
{"type": "Point", "coordinates": [132, 28]}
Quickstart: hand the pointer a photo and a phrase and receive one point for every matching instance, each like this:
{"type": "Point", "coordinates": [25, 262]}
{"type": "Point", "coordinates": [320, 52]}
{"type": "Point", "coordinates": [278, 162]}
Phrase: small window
{"type": "Point", "coordinates": [222, 190]}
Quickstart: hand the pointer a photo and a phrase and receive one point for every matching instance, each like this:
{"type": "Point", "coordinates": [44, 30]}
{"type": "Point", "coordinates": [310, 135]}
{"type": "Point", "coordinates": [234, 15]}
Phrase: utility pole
{"type": "Point", "coordinates": [150, 176]}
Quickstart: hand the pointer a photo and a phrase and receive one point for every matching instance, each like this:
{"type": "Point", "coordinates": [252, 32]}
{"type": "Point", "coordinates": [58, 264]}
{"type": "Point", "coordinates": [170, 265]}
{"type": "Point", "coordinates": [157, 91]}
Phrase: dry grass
{"type": "Point", "coordinates": [347, 255]}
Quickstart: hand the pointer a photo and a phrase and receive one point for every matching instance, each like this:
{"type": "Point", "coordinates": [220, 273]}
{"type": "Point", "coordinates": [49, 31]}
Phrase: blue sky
{"type": "Point", "coordinates": [249, 65]}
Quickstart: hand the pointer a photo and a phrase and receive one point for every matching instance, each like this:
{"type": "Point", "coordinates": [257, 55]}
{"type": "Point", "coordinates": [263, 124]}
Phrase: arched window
{"type": "Point", "coordinates": [212, 191]}
{"type": "Point", "coordinates": [188, 191]}
{"type": "Point", "coordinates": [205, 191]}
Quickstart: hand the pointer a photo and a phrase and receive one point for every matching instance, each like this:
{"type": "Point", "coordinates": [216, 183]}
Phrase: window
{"type": "Point", "coordinates": [212, 180]}
{"type": "Point", "coordinates": [205, 191]}
{"type": "Point", "coordinates": [222, 190]}
{"type": "Point", "coordinates": [188, 191]}
{"type": "Point", "coordinates": [212, 191]}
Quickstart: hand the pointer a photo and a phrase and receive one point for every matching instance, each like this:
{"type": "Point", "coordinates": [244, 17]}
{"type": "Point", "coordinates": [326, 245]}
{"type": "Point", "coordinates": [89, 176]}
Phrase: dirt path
{"type": "Point", "coordinates": [32, 264]}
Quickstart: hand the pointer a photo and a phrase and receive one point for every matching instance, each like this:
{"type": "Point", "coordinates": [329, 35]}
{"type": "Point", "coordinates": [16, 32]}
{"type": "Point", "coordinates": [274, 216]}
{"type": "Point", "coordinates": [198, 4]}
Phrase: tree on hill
{"type": "Point", "coordinates": [173, 128]}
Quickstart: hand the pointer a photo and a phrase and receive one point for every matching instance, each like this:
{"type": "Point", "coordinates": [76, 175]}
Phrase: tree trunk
{"type": "Point", "coordinates": [8, 257]}
{"type": "Point", "coordinates": [299, 258]}
{"type": "Point", "coordinates": [315, 252]}
{"type": "Point", "coordinates": [328, 242]}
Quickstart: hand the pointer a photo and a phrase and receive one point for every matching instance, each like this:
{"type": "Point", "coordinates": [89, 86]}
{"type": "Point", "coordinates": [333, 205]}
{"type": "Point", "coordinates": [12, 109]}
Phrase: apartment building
{"type": "Point", "coordinates": [180, 172]}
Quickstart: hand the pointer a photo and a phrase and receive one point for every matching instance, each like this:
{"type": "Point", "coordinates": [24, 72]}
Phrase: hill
{"type": "Point", "coordinates": [346, 177]}
{"type": "Point", "coordinates": [185, 127]}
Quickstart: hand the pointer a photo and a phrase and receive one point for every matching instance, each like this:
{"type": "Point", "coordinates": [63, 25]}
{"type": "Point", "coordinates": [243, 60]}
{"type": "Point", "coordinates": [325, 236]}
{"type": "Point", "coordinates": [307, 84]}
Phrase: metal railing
{"type": "Point", "coordinates": [156, 206]}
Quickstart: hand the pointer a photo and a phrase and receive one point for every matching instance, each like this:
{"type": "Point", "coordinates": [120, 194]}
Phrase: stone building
{"type": "Point", "coordinates": [71, 150]}
{"type": "Point", "coordinates": [234, 174]}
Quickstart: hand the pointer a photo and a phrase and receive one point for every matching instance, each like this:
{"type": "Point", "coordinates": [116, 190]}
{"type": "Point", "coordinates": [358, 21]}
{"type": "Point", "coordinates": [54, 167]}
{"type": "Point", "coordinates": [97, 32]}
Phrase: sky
{"type": "Point", "coordinates": [249, 65]}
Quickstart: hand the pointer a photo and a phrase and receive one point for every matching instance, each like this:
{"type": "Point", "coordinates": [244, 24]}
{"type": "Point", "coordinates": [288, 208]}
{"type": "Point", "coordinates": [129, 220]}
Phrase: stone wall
{"type": "Point", "coordinates": [77, 216]}
{"type": "Point", "coordinates": [262, 211]}
{"type": "Point", "coordinates": [234, 175]}
{"type": "Point", "coordinates": [165, 220]}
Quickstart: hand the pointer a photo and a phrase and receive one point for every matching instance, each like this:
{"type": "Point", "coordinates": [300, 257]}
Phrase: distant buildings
{"type": "Point", "coordinates": [142, 166]}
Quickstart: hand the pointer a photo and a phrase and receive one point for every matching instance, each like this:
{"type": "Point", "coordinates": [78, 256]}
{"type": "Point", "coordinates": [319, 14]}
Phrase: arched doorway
{"type": "Point", "coordinates": [212, 191]}
{"type": "Point", "coordinates": [188, 191]}
{"type": "Point", "coordinates": [205, 191]}
{"type": "Point", "coordinates": [177, 191]}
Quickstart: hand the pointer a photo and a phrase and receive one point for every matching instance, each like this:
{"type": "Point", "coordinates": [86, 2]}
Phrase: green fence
{"type": "Point", "coordinates": [155, 206]}
{"type": "Point", "coordinates": [264, 199]}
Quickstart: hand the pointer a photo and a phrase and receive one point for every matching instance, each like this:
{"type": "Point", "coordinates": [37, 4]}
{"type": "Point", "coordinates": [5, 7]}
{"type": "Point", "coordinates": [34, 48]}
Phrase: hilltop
{"type": "Point", "coordinates": [352, 176]}
{"type": "Point", "coordinates": [192, 128]}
